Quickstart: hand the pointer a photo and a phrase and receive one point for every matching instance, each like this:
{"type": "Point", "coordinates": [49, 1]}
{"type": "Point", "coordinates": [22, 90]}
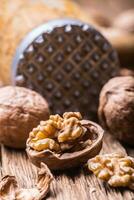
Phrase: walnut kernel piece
{"type": "Point", "coordinates": [68, 115]}
{"type": "Point", "coordinates": [116, 169]}
{"type": "Point", "coordinates": [9, 188]}
{"type": "Point", "coordinates": [72, 128]}
{"type": "Point", "coordinates": [46, 143]}
{"type": "Point", "coordinates": [56, 130]}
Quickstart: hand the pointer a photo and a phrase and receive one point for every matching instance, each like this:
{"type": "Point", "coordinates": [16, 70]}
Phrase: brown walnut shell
{"type": "Point", "coordinates": [125, 21]}
{"type": "Point", "coordinates": [126, 72]}
{"type": "Point", "coordinates": [21, 109]}
{"type": "Point", "coordinates": [116, 109]}
{"type": "Point", "coordinates": [56, 161]}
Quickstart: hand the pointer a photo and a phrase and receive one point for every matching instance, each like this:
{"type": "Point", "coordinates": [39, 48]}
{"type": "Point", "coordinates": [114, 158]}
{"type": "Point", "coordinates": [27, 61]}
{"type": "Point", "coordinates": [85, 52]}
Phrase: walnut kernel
{"type": "Point", "coordinates": [116, 169]}
{"type": "Point", "coordinates": [56, 130]}
{"type": "Point", "coordinates": [72, 128]}
{"type": "Point", "coordinates": [46, 143]}
{"type": "Point", "coordinates": [67, 115]}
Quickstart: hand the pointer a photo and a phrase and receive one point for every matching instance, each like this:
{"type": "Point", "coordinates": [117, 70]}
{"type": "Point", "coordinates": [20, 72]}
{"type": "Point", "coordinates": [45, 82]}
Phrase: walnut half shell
{"type": "Point", "coordinates": [9, 189]}
{"type": "Point", "coordinates": [72, 157]}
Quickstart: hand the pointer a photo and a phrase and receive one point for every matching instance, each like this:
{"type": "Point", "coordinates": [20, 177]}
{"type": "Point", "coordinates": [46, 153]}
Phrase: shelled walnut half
{"type": "Point", "coordinates": [116, 169]}
{"type": "Point", "coordinates": [64, 142]}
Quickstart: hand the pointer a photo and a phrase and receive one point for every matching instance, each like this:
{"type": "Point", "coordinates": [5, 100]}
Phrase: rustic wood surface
{"type": "Point", "coordinates": [77, 184]}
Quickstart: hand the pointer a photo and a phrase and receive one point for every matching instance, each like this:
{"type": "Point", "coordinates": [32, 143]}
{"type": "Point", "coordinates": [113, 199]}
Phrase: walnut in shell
{"type": "Point", "coordinates": [116, 169]}
{"type": "Point", "coordinates": [125, 21]}
{"type": "Point", "coordinates": [9, 189]}
{"type": "Point", "coordinates": [20, 110]}
{"type": "Point", "coordinates": [116, 108]}
{"type": "Point", "coordinates": [64, 142]}
{"type": "Point", "coordinates": [126, 72]}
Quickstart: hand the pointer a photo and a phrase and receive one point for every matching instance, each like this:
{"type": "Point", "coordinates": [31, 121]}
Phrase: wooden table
{"type": "Point", "coordinates": [76, 184]}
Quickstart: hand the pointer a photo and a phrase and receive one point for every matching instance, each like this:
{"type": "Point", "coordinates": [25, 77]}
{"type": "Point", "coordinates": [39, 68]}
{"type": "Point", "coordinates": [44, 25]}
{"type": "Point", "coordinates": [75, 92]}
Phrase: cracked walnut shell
{"type": "Point", "coordinates": [116, 169]}
{"type": "Point", "coordinates": [116, 108]}
{"type": "Point", "coordinates": [21, 109]}
{"type": "Point", "coordinates": [9, 189]}
{"type": "Point", "coordinates": [64, 142]}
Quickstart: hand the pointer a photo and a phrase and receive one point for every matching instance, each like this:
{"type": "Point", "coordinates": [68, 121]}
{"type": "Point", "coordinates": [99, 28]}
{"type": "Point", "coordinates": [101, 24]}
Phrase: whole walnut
{"type": "Point", "coordinates": [126, 72]}
{"type": "Point", "coordinates": [21, 110]}
{"type": "Point", "coordinates": [125, 21]}
{"type": "Point", "coordinates": [116, 108]}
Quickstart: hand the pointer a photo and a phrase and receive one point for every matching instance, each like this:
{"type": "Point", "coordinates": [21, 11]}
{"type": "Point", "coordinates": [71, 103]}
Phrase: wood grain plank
{"type": "Point", "coordinates": [70, 185]}
{"type": "Point", "coordinates": [16, 163]}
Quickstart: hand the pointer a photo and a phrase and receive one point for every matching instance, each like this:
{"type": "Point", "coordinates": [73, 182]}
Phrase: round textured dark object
{"type": "Point", "coordinates": [68, 62]}
{"type": "Point", "coordinates": [116, 109]}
